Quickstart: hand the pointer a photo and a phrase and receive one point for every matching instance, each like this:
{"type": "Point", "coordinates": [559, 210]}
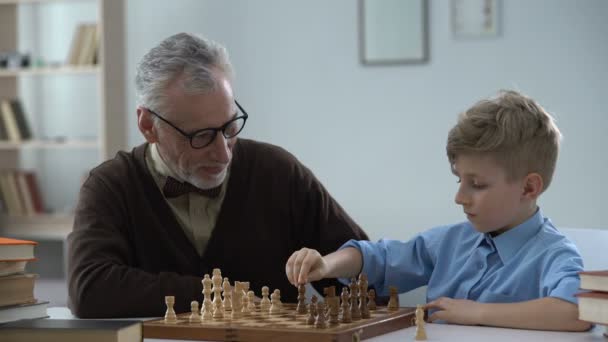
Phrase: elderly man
{"type": "Point", "coordinates": [153, 221]}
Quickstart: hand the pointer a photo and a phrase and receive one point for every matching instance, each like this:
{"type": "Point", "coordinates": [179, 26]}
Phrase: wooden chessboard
{"type": "Point", "coordinates": [286, 326]}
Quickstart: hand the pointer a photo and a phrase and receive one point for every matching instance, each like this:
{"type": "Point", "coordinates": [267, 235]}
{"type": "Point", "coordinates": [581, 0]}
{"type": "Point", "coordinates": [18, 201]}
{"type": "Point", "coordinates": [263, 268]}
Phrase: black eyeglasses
{"type": "Point", "coordinates": [204, 137]}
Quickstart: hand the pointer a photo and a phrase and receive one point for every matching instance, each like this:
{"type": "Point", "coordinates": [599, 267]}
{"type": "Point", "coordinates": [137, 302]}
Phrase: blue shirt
{"type": "Point", "coordinates": [530, 261]}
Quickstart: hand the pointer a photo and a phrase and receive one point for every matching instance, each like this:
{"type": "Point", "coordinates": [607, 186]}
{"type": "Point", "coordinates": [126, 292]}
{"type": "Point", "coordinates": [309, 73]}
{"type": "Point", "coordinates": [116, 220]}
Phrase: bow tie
{"type": "Point", "coordinates": [174, 188]}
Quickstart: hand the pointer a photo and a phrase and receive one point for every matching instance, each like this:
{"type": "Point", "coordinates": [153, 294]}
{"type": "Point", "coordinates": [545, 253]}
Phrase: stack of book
{"type": "Point", "coordinates": [16, 286]}
{"type": "Point", "coordinates": [593, 303]}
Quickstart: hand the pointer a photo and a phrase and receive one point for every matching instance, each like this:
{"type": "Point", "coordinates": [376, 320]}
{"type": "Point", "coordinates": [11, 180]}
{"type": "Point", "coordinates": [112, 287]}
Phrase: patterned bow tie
{"type": "Point", "coordinates": [174, 188]}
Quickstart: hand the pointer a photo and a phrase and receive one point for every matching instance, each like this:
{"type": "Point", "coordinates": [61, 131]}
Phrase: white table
{"type": "Point", "coordinates": [442, 332]}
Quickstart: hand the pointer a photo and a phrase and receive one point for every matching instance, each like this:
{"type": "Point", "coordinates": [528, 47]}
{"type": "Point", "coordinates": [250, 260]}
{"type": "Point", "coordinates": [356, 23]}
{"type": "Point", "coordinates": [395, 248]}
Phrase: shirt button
{"type": "Point", "coordinates": [480, 265]}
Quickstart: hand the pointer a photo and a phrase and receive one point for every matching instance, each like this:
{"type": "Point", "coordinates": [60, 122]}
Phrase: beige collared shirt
{"type": "Point", "coordinates": [196, 213]}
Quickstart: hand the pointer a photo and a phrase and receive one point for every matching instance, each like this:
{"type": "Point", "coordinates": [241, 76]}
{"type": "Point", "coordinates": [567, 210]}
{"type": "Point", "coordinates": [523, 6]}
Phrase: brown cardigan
{"type": "Point", "coordinates": [127, 250]}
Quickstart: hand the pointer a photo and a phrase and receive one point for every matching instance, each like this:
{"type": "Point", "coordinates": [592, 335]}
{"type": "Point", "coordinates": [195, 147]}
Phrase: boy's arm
{"type": "Point", "coordinates": [308, 265]}
{"type": "Point", "coordinates": [546, 313]}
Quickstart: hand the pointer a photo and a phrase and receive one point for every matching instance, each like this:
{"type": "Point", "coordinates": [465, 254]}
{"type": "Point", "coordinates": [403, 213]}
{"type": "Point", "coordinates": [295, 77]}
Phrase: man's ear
{"type": "Point", "coordinates": [145, 122]}
{"type": "Point", "coordinates": [533, 185]}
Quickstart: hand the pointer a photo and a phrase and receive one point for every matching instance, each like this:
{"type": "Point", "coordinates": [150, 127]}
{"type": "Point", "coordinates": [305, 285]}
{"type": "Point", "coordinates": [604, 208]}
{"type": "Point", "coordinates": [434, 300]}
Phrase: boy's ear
{"type": "Point", "coordinates": [533, 186]}
{"type": "Point", "coordinates": [145, 123]}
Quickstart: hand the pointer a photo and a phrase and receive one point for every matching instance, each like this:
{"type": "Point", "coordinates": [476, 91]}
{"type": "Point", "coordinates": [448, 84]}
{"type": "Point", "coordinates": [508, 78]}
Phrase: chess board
{"type": "Point", "coordinates": [288, 326]}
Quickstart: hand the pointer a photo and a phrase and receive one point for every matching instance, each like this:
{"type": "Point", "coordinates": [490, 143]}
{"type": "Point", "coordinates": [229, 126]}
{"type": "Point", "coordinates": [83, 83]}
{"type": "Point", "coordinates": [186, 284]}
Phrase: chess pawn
{"type": "Point", "coordinates": [170, 316]}
{"type": "Point", "coordinates": [420, 330]}
{"type": "Point", "coordinates": [301, 308]}
{"type": "Point", "coordinates": [312, 310]}
{"type": "Point", "coordinates": [393, 301]}
{"type": "Point", "coordinates": [218, 312]}
{"type": "Point", "coordinates": [207, 310]}
{"type": "Point", "coordinates": [195, 316]}
{"type": "Point", "coordinates": [275, 302]}
{"type": "Point", "coordinates": [265, 302]}
{"type": "Point", "coordinates": [251, 297]}
{"type": "Point", "coordinates": [346, 318]}
{"type": "Point", "coordinates": [321, 321]}
{"type": "Point", "coordinates": [371, 303]}
{"type": "Point", "coordinates": [245, 310]}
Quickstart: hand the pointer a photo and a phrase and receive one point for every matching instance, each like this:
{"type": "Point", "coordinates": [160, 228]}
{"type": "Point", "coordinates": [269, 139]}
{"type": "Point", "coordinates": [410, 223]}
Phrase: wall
{"type": "Point", "coordinates": [375, 135]}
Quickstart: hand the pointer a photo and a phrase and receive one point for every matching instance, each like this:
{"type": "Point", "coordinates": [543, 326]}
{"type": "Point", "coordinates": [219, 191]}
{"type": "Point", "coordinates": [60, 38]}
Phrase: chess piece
{"type": "Point", "coordinates": [301, 308]}
{"type": "Point", "coordinates": [218, 304]}
{"type": "Point", "coordinates": [218, 310]}
{"type": "Point", "coordinates": [312, 311]}
{"type": "Point", "coordinates": [195, 316]}
{"type": "Point", "coordinates": [207, 310]}
{"type": "Point", "coordinates": [227, 295]}
{"type": "Point", "coordinates": [245, 287]}
{"type": "Point", "coordinates": [354, 300]}
{"type": "Point", "coordinates": [420, 330]}
{"type": "Point", "coordinates": [265, 302]}
{"type": "Point", "coordinates": [217, 286]}
{"type": "Point", "coordinates": [363, 306]}
{"type": "Point", "coordinates": [170, 316]}
{"type": "Point", "coordinates": [206, 307]}
{"type": "Point", "coordinates": [275, 302]}
{"type": "Point", "coordinates": [245, 310]}
{"type": "Point", "coordinates": [251, 297]}
{"type": "Point", "coordinates": [393, 301]}
{"type": "Point", "coordinates": [333, 304]}
{"type": "Point", "coordinates": [321, 321]}
{"type": "Point", "coordinates": [237, 299]}
{"type": "Point", "coordinates": [371, 304]}
{"type": "Point", "coordinates": [346, 318]}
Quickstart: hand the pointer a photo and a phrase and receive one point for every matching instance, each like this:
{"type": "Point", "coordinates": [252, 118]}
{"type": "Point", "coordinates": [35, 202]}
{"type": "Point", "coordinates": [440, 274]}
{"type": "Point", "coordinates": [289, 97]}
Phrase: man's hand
{"type": "Point", "coordinates": [458, 311]}
{"type": "Point", "coordinates": [304, 266]}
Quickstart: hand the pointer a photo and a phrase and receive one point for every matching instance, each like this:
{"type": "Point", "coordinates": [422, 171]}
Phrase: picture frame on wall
{"type": "Point", "coordinates": [475, 18]}
{"type": "Point", "coordinates": [393, 31]}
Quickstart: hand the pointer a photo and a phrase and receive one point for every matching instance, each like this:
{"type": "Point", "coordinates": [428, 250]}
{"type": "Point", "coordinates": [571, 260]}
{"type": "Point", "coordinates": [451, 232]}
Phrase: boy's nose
{"type": "Point", "coordinates": [460, 198]}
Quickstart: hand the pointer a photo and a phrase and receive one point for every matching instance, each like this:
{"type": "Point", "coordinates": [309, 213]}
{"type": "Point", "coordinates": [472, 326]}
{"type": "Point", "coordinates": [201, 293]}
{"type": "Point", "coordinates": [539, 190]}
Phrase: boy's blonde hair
{"type": "Point", "coordinates": [513, 129]}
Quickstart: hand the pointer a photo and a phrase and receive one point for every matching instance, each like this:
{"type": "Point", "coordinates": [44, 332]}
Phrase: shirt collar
{"type": "Point", "coordinates": [508, 243]}
{"type": "Point", "coordinates": [159, 165]}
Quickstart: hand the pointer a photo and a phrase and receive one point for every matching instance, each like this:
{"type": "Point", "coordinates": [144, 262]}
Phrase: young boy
{"type": "Point", "coordinates": [507, 265]}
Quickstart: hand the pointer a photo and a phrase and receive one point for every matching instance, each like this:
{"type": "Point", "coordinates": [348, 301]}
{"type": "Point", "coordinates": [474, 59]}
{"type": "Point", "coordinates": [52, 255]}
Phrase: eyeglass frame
{"type": "Point", "coordinates": [222, 128]}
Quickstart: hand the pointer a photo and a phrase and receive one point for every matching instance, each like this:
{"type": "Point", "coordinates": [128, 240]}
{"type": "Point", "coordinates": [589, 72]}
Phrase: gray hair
{"type": "Point", "coordinates": [183, 57]}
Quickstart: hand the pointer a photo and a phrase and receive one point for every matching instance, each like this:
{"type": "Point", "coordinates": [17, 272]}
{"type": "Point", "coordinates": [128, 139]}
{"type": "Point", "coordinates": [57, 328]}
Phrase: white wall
{"type": "Point", "coordinates": [375, 135]}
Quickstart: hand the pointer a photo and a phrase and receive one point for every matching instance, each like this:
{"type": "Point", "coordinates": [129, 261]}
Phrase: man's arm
{"type": "Point", "coordinates": [103, 280]}
{"type": "Point", "coordinates": [546, 313]}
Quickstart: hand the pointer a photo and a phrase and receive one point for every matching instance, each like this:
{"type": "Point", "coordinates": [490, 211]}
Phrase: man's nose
{"type": "Point", "coordinates": [220, 148]}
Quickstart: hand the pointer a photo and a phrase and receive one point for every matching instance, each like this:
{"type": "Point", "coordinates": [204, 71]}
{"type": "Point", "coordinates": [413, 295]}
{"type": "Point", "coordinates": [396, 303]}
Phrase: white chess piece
{"type": "Point", "coordinates": [195, 316]}
{"type": "Point", "coordinates": [265, 302]}
{"type": "Point", "coordinates": [252, 307]}
{"type": "Point", "coordinates": [275, 302]}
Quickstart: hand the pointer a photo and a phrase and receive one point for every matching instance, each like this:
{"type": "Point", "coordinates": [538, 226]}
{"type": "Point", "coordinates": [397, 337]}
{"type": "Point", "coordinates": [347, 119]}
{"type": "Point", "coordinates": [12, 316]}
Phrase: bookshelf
{"type": "Point", "coordinates": [76, 112]}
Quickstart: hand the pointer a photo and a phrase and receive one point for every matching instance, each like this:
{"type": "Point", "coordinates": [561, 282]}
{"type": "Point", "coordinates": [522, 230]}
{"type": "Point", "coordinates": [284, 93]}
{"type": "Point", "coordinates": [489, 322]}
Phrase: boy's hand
{"type": "Point", "coordinates": [459, 311]}
{"type": "Point", "coordinates": [304, 266]}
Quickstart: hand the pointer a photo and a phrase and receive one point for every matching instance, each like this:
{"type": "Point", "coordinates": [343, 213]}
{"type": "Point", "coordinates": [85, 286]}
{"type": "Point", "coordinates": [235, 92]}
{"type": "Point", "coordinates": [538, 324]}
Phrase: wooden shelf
{"type": "Point", "coordinates": [43, 226]}
{"type": "Point", "coordinates": [60, 70]}
{"type": "Point", "coordinates": [50, 144]}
